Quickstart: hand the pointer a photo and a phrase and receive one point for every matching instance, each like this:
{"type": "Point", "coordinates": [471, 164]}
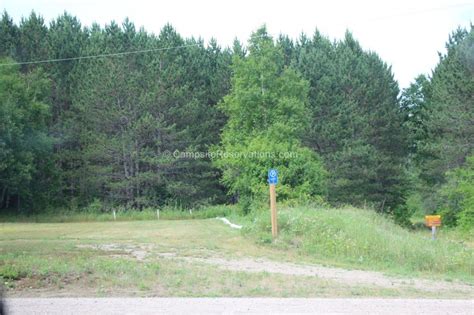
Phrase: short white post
{"type": "Point", "coordinates": [115, 217]}
{"type": "Point", "coordinates": [433, 233]}
{"type": "Point", "coordinates": [158, 213]}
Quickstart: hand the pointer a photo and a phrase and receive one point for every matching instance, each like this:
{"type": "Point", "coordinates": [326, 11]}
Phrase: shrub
{"type": "Point", "coordinates": [458, 203]}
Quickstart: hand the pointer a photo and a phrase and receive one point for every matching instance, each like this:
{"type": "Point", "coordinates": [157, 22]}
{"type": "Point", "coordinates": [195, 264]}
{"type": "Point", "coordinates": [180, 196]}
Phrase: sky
{"type": "Point", "coordinates": [406, 34]}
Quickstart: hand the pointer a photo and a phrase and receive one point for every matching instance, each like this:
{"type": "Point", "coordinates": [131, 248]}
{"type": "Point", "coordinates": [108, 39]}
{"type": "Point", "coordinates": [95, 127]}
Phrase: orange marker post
{"type": "Point", "coordinates": [433, 221]}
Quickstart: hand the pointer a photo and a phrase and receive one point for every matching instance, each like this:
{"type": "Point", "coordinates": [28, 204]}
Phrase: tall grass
{"type": "Point", "coordinates": [167, 213]}
{"type": "Point", "coordinates": [364, 239]}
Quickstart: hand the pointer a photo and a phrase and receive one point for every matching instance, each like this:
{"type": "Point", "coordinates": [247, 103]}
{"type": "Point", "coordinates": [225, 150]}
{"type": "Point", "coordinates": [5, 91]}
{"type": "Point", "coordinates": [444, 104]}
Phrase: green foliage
{"type": "Point", "coordinates": [26, 171]}
{"type": "Point", "coordinates": [458, 193]}
{"type": "Point", "coordinates": [355, 122]}
{"type": "Point", "coordinates": [121, 153]}
{"type": "Point", "coordinates": [267, 114]}
{"type": "Point", "coordinates": [439, 112]}
{"type": "Point", "coordinates": [95, 206]}
{"type": "Point", "coordinates": [95, 213]}
{"type": "Point", "coordinates": [31, 43]}
{"type": "Point", "coordinates": [104, 129]}
{"type": "Point", "coordinates": [414, 105]}
{"type": "Point", "coordinates": [466, 217]}
{"type": "Point", "coordinates": [450, 110]}
{"type": "Point", "coordinates": [12, 272]}
{"type": "Point", "coordinates": [415, 205]}
{"type": "Point", "coordinates": [9, 36]}
{"type": "Point", "coordinates": [115, 120]}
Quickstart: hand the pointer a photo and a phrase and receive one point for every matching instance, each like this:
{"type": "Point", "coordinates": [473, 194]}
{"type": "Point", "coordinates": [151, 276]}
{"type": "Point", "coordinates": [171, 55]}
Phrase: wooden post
{"type": "Point", "coordinates": [273, 210]}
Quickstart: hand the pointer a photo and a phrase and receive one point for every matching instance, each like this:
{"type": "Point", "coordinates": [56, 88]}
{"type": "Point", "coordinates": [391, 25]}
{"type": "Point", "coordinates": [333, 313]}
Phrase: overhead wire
{"type": "Point", "coordinates": [197, 44]}
{"type": "Point", "coordinates": [97, 56]}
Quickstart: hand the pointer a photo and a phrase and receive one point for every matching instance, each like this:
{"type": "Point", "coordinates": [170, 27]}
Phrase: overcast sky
{"type": "Point", "coordinates": [406, 34]}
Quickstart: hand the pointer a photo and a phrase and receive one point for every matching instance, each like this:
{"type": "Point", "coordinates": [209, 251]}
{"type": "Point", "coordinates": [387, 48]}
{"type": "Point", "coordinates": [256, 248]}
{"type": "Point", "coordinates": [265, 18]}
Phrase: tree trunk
{"type": "Point", "coordinates": [2, 198]}
{"type": "Point", "coordinates": [137, 169]}
{"type": "Point", "coordinates": [7, 202]}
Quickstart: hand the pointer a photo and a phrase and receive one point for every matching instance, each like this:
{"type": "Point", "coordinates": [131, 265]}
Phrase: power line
{"type": "Point", "coordinates": [102, 55]}
{"type": "Point", "coordinates": [197, 44]}
{"type": "Point", "coordinates": [97, 56]}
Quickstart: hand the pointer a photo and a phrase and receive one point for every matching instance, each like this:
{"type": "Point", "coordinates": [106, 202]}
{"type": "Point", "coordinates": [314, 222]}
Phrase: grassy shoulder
{"type": "Point", "coordinates": [61, 271]}
{"type": "Point", "coordinates": [57, 258]}
{"type": "Point", "coordinates": [54, 259]}
{"type": "Point", "coordinates": [363, 239]}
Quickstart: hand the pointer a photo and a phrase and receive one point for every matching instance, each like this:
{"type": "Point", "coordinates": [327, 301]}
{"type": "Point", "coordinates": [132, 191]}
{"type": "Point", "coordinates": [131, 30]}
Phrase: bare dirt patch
{"type": "Point", "coordinates": [139, 252]}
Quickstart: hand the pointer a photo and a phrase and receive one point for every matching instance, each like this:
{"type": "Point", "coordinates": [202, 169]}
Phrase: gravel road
{"type": "Point", "coordinates": [235, 306]}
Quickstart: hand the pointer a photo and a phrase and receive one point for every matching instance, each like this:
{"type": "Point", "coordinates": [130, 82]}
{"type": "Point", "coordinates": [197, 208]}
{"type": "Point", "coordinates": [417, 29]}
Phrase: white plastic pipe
{"type": "Point", "coordinates": [232, 225]}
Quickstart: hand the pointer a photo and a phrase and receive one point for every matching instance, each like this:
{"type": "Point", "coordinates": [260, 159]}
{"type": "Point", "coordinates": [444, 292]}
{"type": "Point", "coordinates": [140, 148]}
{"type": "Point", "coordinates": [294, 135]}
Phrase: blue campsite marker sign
{"type": "Point", "coordinates": [273, 176]}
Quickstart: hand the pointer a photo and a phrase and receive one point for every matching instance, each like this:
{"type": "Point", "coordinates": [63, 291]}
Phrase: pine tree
{"type": "Point", "coordinates": [32, 43]}
{"type": "Point", "coordinates": [445, 127]}
{"type": "Point", "coordinates": [9, 36]}
{"type": "Point", "coordinates": [450, 110]}
{"type": "Point", "coordinates": [356, 122]}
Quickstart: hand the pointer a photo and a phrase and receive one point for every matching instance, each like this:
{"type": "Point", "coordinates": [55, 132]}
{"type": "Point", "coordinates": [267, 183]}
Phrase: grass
{"type": "Point", "coordinates": [47, 259]}
{"type": "Point", "coordinates": [166, 213]}
{"type": "Point", "coordinates": [55, 259]}
{"type": "Point", "coordinates": [363, 239]}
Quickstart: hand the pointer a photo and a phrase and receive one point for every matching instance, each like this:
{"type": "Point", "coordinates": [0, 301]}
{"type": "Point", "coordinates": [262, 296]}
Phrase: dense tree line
{"type": "Point", "coordinates": [112, 121]}
{"type": "Point", "coordinates": [111, 128]}
{"type": "Point", "coordinates": [439, 114]}
{"type": "Point", "coordinates": [356, 121]}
